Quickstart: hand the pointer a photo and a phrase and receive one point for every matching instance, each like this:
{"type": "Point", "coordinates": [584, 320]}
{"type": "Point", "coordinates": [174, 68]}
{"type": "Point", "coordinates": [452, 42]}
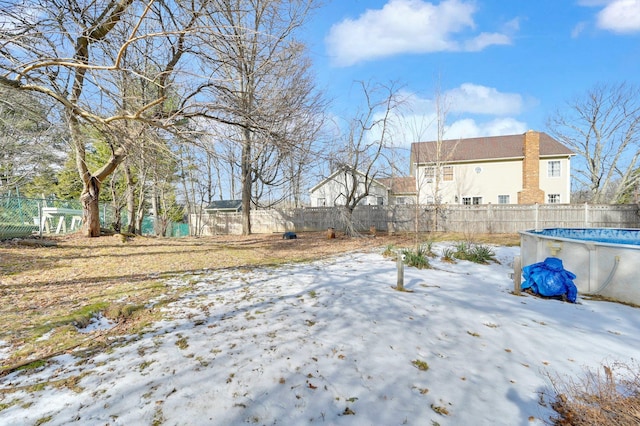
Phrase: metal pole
{"type": "Point", "coordinates": [39, 219]}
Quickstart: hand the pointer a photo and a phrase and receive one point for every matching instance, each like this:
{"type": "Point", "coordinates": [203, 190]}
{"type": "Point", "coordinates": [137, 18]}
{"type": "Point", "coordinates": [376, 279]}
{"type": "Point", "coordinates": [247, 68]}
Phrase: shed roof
{"type": "Point", "coordinates": [225, 205]}
{"type": "Point", "coordinates": [400, 185]}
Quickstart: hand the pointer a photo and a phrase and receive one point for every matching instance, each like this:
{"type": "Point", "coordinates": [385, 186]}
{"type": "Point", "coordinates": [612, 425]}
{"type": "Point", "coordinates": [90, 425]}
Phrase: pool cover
{"type": "Point", "coordinates": [549, 279]}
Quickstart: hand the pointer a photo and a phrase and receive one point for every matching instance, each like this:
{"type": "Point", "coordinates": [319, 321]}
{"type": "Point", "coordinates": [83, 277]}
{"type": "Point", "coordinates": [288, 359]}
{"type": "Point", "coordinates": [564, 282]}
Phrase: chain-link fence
{"type": "Point", "coordinates": [20, 217]}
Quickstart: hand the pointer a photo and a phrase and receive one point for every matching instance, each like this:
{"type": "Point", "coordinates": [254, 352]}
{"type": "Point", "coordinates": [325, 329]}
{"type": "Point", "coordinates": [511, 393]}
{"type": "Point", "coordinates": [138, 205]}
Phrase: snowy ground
{"type": "Point", "coordinates": [332, 343]}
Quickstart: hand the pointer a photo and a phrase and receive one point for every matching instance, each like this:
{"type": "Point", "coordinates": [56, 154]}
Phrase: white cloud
{"type": "Point", "coordinates": [476, 99]}
{"type": "Point", "coordinates": [578, 29]}
{"type": "Point", "coordinates": [484, 40]}
{"type": "Point", "coordinates": [620, 16]}
{"type": "Point", "coordinates": [470, 128]}
{"type": "Point", "coordinates": [408, 26]}
{"type": "Point", "coordinates": [594, 2]}
{"type": "Point", "coordinates": [465, 105]}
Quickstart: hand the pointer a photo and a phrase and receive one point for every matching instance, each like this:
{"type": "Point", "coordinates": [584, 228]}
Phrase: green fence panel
{"type": "Point", "coordinates": [19, 217]}
{"type": "Point", "coordinates": [22, 217]}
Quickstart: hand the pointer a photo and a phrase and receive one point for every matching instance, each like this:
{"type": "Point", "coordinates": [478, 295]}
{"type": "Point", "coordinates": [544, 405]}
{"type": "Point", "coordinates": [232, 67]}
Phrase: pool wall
{"type": "Point", "coordinates": [602, 267]}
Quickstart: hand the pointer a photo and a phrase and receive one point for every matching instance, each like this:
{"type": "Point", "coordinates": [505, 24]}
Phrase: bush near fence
{"type": "Point", "coordinates": [487, 218]}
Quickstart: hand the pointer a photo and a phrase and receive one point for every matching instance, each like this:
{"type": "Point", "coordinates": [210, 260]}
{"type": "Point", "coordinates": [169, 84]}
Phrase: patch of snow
{"type": "Point", "coordinates": [45, 336]}
{"type": "Point", "coordinates": [5, 349]}
{"type": "Point", "coordinates": [331, 342]}
{"type": "Point", "coordinates": [98, 323]}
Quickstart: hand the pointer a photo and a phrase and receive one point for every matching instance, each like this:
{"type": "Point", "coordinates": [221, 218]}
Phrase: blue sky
{"type": "Point", "coordinates": [503, 66]}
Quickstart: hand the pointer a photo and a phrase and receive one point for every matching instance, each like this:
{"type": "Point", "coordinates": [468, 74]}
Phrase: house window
{"type": "Point", "coordinates": [447, 173]}
{"type": "Point", "coordinates": [401, 200]}
{"type": "Point", "coordinates": [553, 168]}
{"type": "Point", "coordinates": [553, 198]}
{"type": "Point", "coordinates": [380, 201]}
{"type": "Point", "coordinates": [503, 199]}
{"type": "Point", "coordinates": [467, 201]}
{"type": "Point", "coordinates": [321, 202]}
{"type": "Point", "coordinates": [429, 174]}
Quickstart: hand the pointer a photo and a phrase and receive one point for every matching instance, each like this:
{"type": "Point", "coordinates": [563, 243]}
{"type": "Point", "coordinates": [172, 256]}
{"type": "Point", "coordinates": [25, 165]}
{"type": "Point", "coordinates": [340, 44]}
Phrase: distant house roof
{"type": "Point", "coordinates": [484, 148]}
{"type": "Point", "coordinates": [225, 206]}
{"type": "Point", "coordinates": [400, 185]}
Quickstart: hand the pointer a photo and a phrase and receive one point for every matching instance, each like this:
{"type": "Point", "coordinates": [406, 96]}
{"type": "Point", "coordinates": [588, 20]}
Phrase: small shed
{"type": "Point", "coordinates": [224, 206]}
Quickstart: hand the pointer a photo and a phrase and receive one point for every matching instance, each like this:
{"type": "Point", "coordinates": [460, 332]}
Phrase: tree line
{"type": "Point", "coordinates": [149, 92]}
{"type": "Point", "coordinates": [167, 105]}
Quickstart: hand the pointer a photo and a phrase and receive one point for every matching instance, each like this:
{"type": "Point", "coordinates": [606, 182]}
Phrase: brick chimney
{"type": "Point", "coordinates": [531, 192]}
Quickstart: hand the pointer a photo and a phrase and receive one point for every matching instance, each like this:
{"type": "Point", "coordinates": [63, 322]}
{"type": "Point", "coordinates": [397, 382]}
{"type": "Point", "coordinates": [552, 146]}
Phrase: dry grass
{"type": "Point", "coordinates": [610, 397]}
{"type": "Point", "coordinates": [47, 292]}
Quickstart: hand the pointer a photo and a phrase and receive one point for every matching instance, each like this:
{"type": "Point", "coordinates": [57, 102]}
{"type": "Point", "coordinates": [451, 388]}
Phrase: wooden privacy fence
{"type": "Point", "coordinates": [486, 218]}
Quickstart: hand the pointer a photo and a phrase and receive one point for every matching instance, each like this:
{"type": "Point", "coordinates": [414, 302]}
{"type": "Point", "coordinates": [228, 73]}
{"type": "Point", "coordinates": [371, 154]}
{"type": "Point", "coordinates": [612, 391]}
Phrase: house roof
{"type": "Point", "coordinates": [400, 185]}
{"type": "Point", "coordinates": [484, 148]}
{"type": "Point", "coordinates": [225, 205]}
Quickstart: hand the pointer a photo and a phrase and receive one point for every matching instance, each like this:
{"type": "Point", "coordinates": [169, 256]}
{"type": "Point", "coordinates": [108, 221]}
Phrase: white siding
{"type": "Point", "coordinates": [333, 190]}
{"type": "Point", "coordinates": [490, 180]}
{"type": "Point", "coordinates": [556, 185]}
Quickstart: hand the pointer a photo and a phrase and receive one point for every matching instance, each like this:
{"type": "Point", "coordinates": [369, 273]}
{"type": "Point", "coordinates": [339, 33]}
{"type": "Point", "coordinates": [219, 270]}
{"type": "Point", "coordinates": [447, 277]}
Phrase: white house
{"type": "Point", "coordinates": [332, 190]}
{"type": "Point", "coordinates": [515, 169]}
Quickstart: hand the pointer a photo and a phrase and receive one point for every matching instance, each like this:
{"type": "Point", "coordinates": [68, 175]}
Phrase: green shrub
{"type": "Point", "coordinates": [428, 248]}
{"type": "Point", "coordinates": [474, 253]}
{"type": "Point", "coordinates": [448, 254]}
{"type": "Point", "coordinates": [416, 258]}
{"type": "Point", "coordinates": [481, 254]}
{"type": "Point", "coordinates": [389, 251]}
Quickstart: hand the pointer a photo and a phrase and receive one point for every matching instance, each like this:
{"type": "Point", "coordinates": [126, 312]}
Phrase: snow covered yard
{"type": "Point", "coordinates": [332, 342]}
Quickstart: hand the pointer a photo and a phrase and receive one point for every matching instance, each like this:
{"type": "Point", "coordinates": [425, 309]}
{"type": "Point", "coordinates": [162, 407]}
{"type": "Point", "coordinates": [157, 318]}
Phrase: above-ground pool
{"type": "Point", "coordinates": [606, 261]}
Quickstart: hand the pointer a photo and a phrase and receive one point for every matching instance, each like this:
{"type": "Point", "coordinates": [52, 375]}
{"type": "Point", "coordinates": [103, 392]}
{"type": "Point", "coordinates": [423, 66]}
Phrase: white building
{"type": "Point", "coordinates": [515, 169]}
{"type": "Point", "coordinates": [334, 190]}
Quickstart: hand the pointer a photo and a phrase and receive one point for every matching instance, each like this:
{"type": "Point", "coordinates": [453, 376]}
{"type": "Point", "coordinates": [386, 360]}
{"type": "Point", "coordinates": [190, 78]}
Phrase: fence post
{"type": "Point", "coordinates": [39, 219]}
{"type": "Point", "coordinates": [400, 266]}
{"type": "Point", "coordinates": [489, 221]}
{"type": "Point", "coordinates": [517, 274]}
{"type": "Point", "coordinates": [586, 215]}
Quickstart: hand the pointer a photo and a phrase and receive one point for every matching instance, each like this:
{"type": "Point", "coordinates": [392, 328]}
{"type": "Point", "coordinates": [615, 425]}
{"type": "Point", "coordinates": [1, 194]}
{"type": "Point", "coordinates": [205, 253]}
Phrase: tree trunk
{"type": "Point", "coordinates": [139, 220]}
{"type": "Point", "coordinates": [155, 210]}
{"type": "Point", "coordinates": [246, 183]}
{"type": "Point", "coordinates": [117, 208]}
{"type": "Point", "coordinates": [90, 207]}
{"type": "Point", "coordinates": [349, 227]}
{"type": "Point", "coordinates": [131, 201]}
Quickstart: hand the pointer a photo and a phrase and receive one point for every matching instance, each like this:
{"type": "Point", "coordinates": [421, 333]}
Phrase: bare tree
{"type": "Point", "coordinates": [367, 135]}
{"type": "Point", "coordinates": [603, 128]}
{"type": "Point", "coordinates": [429, 161]}
{"type": "Point", "coordinates": [68, 51]}
{"type": "Point", "coordinates": [262, 82]}
{"type": "Point", "coordinates": [30, 144]}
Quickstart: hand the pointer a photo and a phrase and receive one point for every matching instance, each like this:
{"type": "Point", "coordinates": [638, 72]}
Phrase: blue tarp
{"type": "Point", "coordinates": [549, 278]}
